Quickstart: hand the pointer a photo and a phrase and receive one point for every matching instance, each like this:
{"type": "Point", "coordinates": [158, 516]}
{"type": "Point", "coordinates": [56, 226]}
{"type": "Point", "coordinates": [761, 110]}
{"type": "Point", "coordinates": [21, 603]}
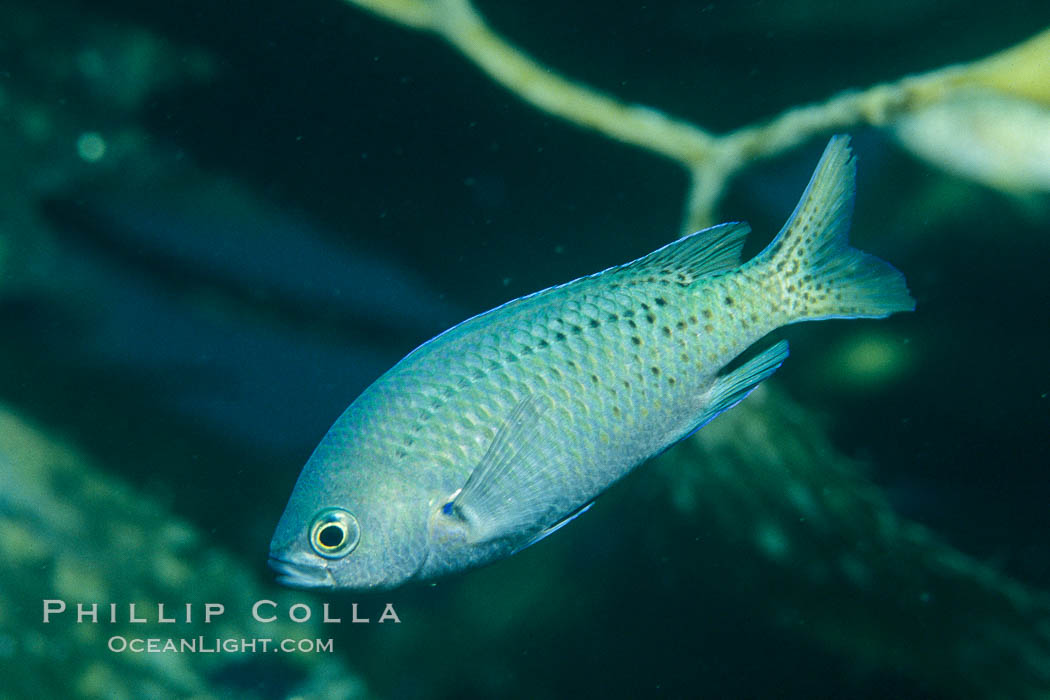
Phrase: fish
{"type": "Point", "coordinates": [498, 432]}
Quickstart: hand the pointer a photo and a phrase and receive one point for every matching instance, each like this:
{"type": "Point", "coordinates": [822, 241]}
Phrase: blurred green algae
{"type": "Point", "coordinates": [70, 533]}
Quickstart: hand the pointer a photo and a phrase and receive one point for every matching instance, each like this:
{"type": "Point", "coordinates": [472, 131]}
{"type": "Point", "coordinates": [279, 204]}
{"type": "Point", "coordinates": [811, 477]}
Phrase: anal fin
{"type": "Point", "coordinates": [733, 387]}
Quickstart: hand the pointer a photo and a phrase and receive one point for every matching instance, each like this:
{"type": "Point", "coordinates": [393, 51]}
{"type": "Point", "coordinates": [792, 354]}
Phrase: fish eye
{"type": "Point", "coordinates": [334, 533]}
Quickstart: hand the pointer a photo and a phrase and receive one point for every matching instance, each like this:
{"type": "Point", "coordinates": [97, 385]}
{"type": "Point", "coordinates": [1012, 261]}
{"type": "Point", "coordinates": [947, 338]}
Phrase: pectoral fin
{"type": "Point", "coordinates": [512, 486]}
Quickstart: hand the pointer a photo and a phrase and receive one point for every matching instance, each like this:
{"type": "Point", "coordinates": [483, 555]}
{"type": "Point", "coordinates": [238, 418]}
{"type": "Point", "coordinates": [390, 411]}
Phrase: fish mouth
{"type": "Point", "coordinates": [301, 574]}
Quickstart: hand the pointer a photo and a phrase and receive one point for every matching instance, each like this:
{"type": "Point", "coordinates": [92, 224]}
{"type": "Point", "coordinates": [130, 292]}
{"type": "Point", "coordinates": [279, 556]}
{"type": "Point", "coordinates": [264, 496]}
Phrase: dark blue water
{"type": "Point", "coordinates": [337, 190]}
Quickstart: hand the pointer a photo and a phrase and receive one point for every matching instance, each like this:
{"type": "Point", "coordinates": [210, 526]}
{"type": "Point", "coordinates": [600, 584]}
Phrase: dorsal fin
{"type": "Point", "coordinates": [713, 250]}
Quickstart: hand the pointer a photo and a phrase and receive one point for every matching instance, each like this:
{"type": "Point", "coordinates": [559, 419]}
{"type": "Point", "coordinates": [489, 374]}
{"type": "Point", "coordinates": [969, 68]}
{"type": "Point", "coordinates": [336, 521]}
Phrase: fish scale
{"type": "Point", "coordinates": [496, 433]}
{"type": "Point", "coordinates": [631, 360]}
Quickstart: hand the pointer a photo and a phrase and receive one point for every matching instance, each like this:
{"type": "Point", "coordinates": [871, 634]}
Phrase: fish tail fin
{"type": "Point", "coordinates": [810, 265]}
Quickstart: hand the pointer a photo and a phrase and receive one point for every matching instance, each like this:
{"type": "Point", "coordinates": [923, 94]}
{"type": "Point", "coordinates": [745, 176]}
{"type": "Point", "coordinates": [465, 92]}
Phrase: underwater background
{"type": "Point", "coordinates": [221, 221]}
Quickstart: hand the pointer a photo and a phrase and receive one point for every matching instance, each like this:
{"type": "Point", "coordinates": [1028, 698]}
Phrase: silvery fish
{"type": "Point", "coordinates": [494, 434]}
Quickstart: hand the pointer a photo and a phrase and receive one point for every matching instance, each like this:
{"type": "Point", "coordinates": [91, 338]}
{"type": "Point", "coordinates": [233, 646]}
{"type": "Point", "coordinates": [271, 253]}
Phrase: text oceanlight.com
{"type": "Point", "coordinates": [216, 645]}
{"type": "Point", "coordinates": [154, 628]}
